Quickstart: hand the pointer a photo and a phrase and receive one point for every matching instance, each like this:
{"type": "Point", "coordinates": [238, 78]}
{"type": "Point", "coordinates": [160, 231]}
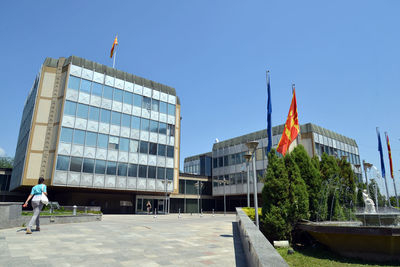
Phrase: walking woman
{"type": "Point", "coordinates": [37, 205]}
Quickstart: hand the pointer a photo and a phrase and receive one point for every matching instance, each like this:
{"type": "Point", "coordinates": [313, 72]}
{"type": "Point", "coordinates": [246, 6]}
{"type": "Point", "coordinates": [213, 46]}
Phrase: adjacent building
{"type": "Point", "coordinates": [199, 164]}
{"type": "Point", "coordinates": [99, 136]}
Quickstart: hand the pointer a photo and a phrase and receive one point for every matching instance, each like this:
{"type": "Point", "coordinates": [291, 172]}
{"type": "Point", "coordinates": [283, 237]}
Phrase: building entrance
{"type": "Point", "coordinates": [158, 204]}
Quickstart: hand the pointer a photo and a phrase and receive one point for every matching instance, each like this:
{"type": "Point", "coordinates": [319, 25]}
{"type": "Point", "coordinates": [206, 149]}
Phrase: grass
{"type": "Point", "coordinates": [319, 256]}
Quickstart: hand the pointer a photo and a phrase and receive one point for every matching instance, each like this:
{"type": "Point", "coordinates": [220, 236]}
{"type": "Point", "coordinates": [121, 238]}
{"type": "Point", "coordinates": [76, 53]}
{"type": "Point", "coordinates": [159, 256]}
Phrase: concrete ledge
{"type": "Point", "coordinates": [258, 250]}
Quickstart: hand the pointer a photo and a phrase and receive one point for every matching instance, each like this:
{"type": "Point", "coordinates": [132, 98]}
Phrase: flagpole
{"type": "Point", "coordinates": [395, 192]}
{"type": "Point", "coordinates": [269, 113]}
{"type": "Point", "coordinates": [391, 167]}
{"type": "Point", "coordinates": [299, 135]}
{"type": "Point", "coordinates": [115, 54]}
{"type": "Point", "coordinates": [383, 166]}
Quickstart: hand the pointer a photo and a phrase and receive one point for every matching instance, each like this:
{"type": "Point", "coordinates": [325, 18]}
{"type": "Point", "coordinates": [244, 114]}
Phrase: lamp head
{"type": "Point", "coordinates": [247, 156]}
{"type": "Point", "coordinates": [252, 145]}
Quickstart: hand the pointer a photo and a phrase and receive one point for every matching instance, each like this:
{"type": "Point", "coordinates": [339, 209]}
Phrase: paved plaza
{"type": "Point", "coordinates": [128, 240]}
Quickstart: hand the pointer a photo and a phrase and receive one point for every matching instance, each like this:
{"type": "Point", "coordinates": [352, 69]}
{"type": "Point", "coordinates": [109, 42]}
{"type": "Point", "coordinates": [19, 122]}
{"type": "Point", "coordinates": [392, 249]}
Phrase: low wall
{"type": "Point", "coordinates": [258, 250]}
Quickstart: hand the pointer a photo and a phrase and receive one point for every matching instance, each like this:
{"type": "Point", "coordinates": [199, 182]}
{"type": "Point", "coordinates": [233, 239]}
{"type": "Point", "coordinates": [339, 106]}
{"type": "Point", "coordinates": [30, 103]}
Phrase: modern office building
{"type": "Point", "coordinates": [228, 161]}
{"type": "Point", "coordinates": [199, 164]}
{"type": "Point", "coordinates": [99, 136]}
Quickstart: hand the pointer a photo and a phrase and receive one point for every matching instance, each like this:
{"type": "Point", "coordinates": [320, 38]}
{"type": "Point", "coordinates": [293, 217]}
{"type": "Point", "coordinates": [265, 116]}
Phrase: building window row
{"type": "Point", "coordinates": [350, 157]}
{"type": "Point", "coordinates": [86, 165]}
{"type": "Point", "coordinates": [237, 178]}
{"type": "Point", "coordinates": [111, 93]}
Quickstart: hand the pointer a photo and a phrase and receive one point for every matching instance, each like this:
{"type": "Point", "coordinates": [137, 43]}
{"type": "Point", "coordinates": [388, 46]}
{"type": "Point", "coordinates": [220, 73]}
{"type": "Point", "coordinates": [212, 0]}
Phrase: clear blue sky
{"type": "Point", "coordinates": [343, 57]}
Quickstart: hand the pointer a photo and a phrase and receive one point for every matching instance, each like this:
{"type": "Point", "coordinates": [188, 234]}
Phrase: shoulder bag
{"type": "Point", "coordinates": [44, 198]}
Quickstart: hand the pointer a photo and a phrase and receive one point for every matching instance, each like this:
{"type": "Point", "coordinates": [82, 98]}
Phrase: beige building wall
{"type": "Point", "coordinates": [177, 147]}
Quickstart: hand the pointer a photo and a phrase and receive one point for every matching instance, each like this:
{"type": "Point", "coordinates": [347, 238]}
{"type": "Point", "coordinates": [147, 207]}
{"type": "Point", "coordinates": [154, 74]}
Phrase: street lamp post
{"type": "Point", "coordinates": [247, 156]}
{"type": "Point", "coordinates": [165, 182]}
{"type": "Point", "coordinates": [199, 186]}
{"type": "Point", "coordinates": [252, 149]}
{"type": "Point", "coordinates": [224, 182]}
{"type": "Point", "coordinates": [367, 166]}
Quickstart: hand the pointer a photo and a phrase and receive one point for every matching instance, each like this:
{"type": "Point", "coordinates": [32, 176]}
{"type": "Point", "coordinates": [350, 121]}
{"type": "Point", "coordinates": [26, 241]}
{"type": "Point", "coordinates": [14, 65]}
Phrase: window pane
{"type": "Point", "coordinates": [73, 82]}
{"type": "Point", "coordinates": [85, 86]}
{"type": "Point", "coordinates": [161, 150]}
{"type": "Point", "coordinates": [113, 142]}
{"type": "Point", "coordinates": [154, 105]}
{"type": "Point", "coordinates": [62, 163]}
{"type": "Point", "coordinates": [123, 144]}
{"type": "Point", "coordinates": [82, 111]}
{"type": "Point", "coordinates": [118, 95]}
{"type": "Point", "coordinates": [151, 172]}
{"type": "Point", "coordinates": [66, 135]}
{"type": "Point", "coordinates": [97, 89]}
{"type": "Point", "coordinates": [153, 149]}
{"type": "Point", "coordinates": [108, 92]}
{"type": "Point", "coordinates": [132, 170]}
{"type": "Point", "coordinates": [100, 167]}
{"type": "Point", "coordinates": [142, 171]}
{"type": "Point", "coordinates": [105, 116]}
{"type": "Point", "coordinates": [153, 126]}
{"type": "Point", "coordinates": [145, 125]}
{"type": "Point", "coordinates": [116, 118]}
{"type": "Point", "coordinates": [170, 174]}
{"type": "Point", "coordinates": [91, 139]}
{"type": "Point", "coordinates": [160, 173]}
{"type": "Point", "coordinates": [79, 137]}
{"type": "Point", "coordinates": [170, 130]}
{"type": "Point", "coordinates": [137, 100]}
{"type": "Point", "coordinates": [135, 122]}
{"type": "Point", "coordinates": [126, 120]}
{"type": "Point", "coordinates": [163, 128]}
{"type": "Point", "coordinates": [94, 113]}
{"type": "Point", "coordinates": [122, 169]}
{"type": "Point", "coordinates": [102, 141]}
{"type": "Point", "coordinates": [133, 146]}
{"type": "Point", "coordinates": [88, 165]}
{"type": "Point", "coordinates": [69, 108]}
{"type": "Point", "coordinates": [76, 164]}
{"type": "Point", "coordinates": [128, 98]}
{"type": "Point", "coordinates": [163, 107]}
{"type": "Point", "coordinates": [171, 109]}
{"type": "Point", "coordinates": [146, 104]}
{"type": "Point", "coordinates": [144, 147]}
{"type": "Point", "coordinates": [170, 151]}
{"type": "Point", "coordinates": [111, 168]}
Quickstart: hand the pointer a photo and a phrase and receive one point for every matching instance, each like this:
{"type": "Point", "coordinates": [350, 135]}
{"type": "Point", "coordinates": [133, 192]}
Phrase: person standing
{"type": "Point", "coordinates": [148, 205]}
{"type": "Point", "coordinates": [37, 205]}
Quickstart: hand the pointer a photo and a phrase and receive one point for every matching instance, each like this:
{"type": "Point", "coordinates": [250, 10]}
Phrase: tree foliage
{"type": "Point", "coordinates": [6, 162]}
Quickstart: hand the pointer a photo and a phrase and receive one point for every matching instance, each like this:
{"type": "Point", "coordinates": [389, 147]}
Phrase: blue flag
{"type": "Point", "coordinates": [381, 153]}
{"type": "Point", "coordinates": [269, 112]}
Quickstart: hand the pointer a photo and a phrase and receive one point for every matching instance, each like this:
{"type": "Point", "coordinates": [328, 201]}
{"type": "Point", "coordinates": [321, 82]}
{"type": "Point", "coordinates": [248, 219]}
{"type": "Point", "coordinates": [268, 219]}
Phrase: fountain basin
{"type": "Point", "coordinates": [379, 219]}
{"type": "Point", "coordinates": [350, 239]}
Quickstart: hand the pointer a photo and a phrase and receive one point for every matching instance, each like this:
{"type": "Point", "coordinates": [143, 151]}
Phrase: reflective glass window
{"type": "Point", "coordinates": [105, 115]}
{"type": "Point", "coordinates": [85, 86]}
{"type": "Point", "coordinates": [142, 171]}
{"type": "Point", "coordinates": [137, 100]}
{"type": "Point", "coordinates": [133, 146]}
{"type": "Point", "coordinates": [82, 111]}
{"type": "Point", "coordinates": [97, 89]}
{"type": "Point", "coordinates": [126, 120]}
{"type": "Point", "coordinates": [171, 109]}
{"type": "Point", "coordinates": [94, 113]}
{"type": "Point", "coordinates": [145, 125]}
{"type": "Point", "coordinates": [163, 107]}
{"type": "Point", "coordinates": [146, 103]}
{"type": "Point", "coordinates": [62, 163]}
{"type": "Point", "coordinates": [162, 128]}
{"type": "Point", "coordinates": [160, 173]}
{"type": "Point", "coordinates": [161, 150]}
{"type": "Point", "coordinates": [122, 169]}
{"type": "Point", "coordinates": [153, 149]}
{"type": "Point", "coordinates": [170, 130]}
{"type": "Point", "coordinates": [116, 118]}
{"type": "Point", "coordinates": [144, 147]}
{"type": "Point", "coordinates": [154, 104]}
{"type": "Point", "coordinates": [170, 151]}
{"type": "Point", "coordinates": [170, 174]}
{"type": "Point", "coordinates": [132, 170]}
{"type": "Point", "coordinates": [76, 164]}
{"type": "Point", "coordinates": [108, 92]}
{"type": "Point", "coordinates": [118, 95]}
{"type": "Point", "coordinates": [88, 165]}
{"type": "Point", "coordinates": [66, 135]}
{"type": "Point", "coordinates": [100, 166]}
{"type": "Point", "coordinates": [111, 168]}
{"type": "Point", "coordinates": [151, 173]}
{"type": "Point", "coordinates": [128, 98]}
{"type": "Point", "coordinates": [113, 142]}
{"type": "Point", "coordinates": [69, 108]}
{"type": "Point", "coordinates": [91, 139]}
{"type": "Point", "coordinates": [79, 137]}
{"type": "Point", "coordinates": [153, 126]}
{"type": "Point", "coordinates": [124, 144]}
{"type": "Point", "coordinates": [74, 82]}
{"type": "Point", "coordinates": [135, 122]}
{"type": "Point", "coordinates": [102, 140]}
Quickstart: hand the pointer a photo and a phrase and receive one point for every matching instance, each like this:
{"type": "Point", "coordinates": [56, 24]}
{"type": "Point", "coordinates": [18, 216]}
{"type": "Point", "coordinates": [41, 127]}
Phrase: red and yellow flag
{"type": "Point", "coordinates": [390, 156]}
{"type": "Point", "coordinates": [291, 129]}
{"type": "Point", "coordinates": [113, 46]}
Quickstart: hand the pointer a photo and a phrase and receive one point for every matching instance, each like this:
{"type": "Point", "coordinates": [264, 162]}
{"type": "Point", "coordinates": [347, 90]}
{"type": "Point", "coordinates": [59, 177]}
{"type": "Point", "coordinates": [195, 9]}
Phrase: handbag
{"type": "Point", "coordinates": [44, 198]}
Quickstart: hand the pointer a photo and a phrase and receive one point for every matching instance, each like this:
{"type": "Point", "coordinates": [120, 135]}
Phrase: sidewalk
{"type": "Point", "coordinates": [128, 240]}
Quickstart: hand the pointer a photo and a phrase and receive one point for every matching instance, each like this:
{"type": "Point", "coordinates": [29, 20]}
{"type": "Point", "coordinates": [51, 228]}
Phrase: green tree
{"type": "Point", "coordinates": [6, 162]}
{"type": "Point", "coordinates": [347, 192]}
